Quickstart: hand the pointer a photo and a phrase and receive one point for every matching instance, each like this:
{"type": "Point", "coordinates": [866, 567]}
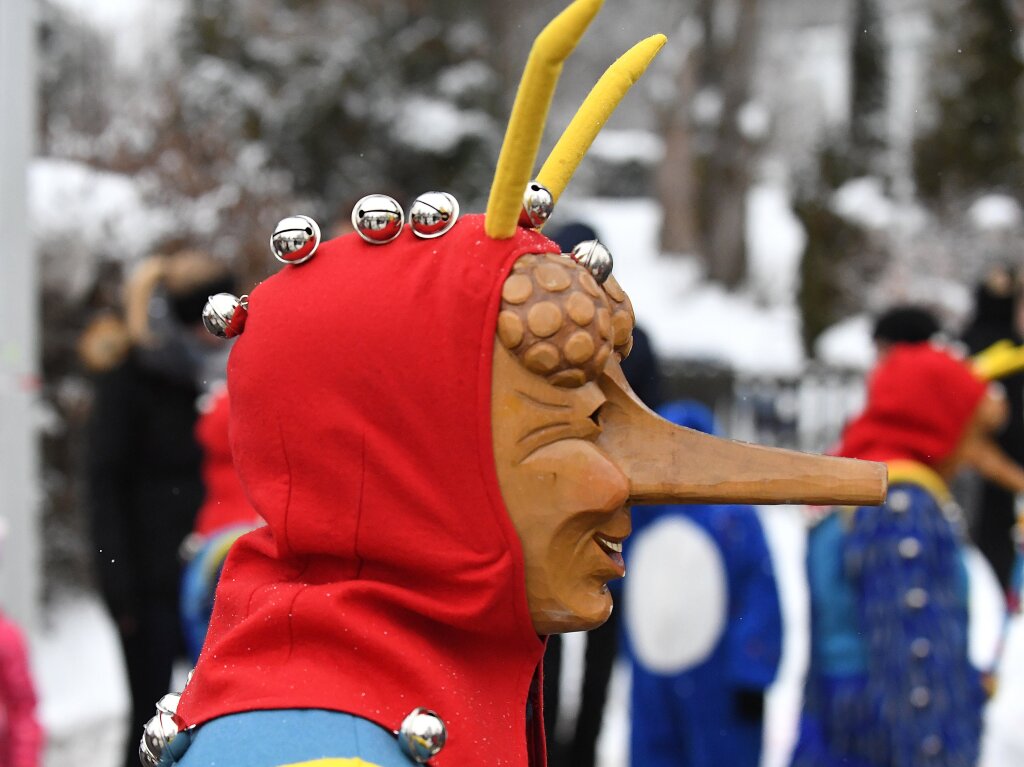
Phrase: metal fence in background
{"type": "Point", "coordinates": [805, 412]}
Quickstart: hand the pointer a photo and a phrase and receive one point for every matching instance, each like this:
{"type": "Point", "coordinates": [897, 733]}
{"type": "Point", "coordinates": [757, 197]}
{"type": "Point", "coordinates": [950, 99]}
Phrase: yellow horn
{"type": "Point", "coordinates": [594, 113]}
{"type": "Point", "coordinates": [529, 113]}
{"type": "Point", "coordinates": [1000, 360]}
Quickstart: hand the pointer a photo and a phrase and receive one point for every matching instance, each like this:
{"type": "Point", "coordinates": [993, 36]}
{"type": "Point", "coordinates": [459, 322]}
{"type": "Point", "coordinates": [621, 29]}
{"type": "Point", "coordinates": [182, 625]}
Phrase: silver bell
{"type": "Point", "coordinates": [224, 315]}
{"type": "Point", "coordinates": [433, 214]}
{"type": "Point", "coordinates": [378, 218]}
{"type": "Point", "coordinates": [159, 731]}
{"type": "Point", "coordinates": [295, 239]}
{"type": "Point", "coordinates": [538, 202]}
{"type": "Point", "coordinates": [422, 735]}
{"type": "Point", "coordinates": [594, 257]}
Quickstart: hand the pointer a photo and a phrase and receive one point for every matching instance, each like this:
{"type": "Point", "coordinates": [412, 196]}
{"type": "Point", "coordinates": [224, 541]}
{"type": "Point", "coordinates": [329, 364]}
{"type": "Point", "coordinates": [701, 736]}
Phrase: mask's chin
{"type": "Point", "coordinates": [585, 613]}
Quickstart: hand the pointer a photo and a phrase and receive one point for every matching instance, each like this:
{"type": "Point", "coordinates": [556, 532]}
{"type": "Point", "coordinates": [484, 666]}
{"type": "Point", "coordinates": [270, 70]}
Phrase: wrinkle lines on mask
{"type": "Point", "coordinates": [554, 415]}
{"type": "Point", "coordinates": [542, 403]}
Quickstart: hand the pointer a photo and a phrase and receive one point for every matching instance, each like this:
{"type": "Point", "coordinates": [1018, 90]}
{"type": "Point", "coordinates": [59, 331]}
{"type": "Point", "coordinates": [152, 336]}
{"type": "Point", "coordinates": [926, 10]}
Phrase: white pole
{"type": "Point", "coordinates": [19, 323]}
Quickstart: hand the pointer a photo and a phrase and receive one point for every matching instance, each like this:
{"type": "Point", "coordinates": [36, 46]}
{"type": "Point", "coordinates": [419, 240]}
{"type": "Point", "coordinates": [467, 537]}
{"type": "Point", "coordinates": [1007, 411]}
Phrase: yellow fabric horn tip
{"type": "Point", "coordinates": [594, 113]}
{"type": "Point", "coordinates": [999, 360]}
{"type": "Point", "coordinates": [529, 113]}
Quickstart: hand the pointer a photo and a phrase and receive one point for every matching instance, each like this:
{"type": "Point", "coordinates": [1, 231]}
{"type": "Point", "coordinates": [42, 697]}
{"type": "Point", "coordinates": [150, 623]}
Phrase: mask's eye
{"type": "Point", "coordinates": [596, 415]}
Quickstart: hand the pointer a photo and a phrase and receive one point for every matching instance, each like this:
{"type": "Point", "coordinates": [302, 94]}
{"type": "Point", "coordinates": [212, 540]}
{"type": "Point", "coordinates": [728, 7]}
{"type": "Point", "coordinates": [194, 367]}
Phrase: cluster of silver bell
{"type": "Point", "coordinates": [432, 214]}
{"type": "Point", "coordinates": [594, 257]}
{"type": "Point", "coordinates": [159, 731]}
{"type": "Point", "coordinates": [538, 204]}
{"type": "Point", "coordinates": [422, 735]}
{"type": "Point", "coordinates": [224, 314]}
{"type": "Point", "coordinates": [379, 219]}
{"type": "Point", "coordinates": [295, 240]}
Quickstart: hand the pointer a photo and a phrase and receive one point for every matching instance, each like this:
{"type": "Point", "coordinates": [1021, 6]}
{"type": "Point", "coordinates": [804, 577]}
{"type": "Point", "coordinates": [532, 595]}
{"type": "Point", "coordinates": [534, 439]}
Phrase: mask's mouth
{"type": "Point", "coordinates": [612, 547]}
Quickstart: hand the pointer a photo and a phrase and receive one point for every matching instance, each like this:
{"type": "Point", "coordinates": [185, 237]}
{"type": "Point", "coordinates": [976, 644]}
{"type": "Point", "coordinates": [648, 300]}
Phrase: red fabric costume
{"type": "Point", "coordinates": [909, 416]}
{"type": "Point", "coordinates": [389, 574]}
{"type": "Point", "coordinates": [225, 503]}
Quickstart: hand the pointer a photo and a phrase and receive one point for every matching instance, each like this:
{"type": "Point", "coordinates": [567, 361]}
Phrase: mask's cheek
{"type": "Point", "coordinates": [573, 476]}
{"type": "Point", "coordinates": [576, 491]}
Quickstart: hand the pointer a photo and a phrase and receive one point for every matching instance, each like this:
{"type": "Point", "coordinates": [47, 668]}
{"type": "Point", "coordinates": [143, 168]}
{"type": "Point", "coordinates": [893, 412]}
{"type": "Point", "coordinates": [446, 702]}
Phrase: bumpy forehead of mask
{"type": "Point", "coordinates": [559, 322]}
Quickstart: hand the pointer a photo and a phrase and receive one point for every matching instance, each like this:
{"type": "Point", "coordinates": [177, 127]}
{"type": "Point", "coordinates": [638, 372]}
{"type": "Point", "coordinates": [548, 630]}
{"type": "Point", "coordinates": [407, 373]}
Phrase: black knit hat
{"type": "Point", "coordinates": [572, 234]}
{"type": "Point", "coordinates": [905, 325]}
{"type": "Point", "coordinates": [187, 307]}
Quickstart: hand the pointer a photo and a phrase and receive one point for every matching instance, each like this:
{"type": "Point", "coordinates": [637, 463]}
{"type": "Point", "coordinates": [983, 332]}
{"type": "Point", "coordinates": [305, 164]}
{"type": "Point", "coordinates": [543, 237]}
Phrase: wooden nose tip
{"type": "Point", "coordinates": [666, 463]}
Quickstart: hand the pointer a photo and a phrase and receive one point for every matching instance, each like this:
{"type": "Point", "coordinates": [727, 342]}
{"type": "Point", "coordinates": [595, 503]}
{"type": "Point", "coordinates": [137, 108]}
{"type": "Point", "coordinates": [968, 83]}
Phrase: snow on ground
{"type": "Point", "coordinates": [1004, 744]}
{"type": "Point", "coordinates": [81, 683]}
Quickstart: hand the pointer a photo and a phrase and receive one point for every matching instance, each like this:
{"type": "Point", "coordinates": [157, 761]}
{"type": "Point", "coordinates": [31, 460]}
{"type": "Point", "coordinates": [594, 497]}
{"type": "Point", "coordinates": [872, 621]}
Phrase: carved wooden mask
{"type": "Point", "coordinates": [575, 448]}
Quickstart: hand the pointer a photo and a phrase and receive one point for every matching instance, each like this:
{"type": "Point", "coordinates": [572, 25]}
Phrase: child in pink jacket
{"type": "Point", "coordinates": [21, 737]}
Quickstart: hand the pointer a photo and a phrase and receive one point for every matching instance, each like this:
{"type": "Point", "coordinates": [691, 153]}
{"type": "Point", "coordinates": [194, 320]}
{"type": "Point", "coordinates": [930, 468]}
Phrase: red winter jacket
{"type": "Point", "coordinates": [225, 504]}
{"type": "Point", "coordinates": [21, 737]}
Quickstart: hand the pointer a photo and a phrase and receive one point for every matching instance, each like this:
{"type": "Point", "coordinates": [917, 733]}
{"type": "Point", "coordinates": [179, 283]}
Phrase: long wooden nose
{"type": "Point", "coordinates": [666, 463]}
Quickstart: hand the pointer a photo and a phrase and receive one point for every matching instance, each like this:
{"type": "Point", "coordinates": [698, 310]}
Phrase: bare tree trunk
{"type": "Point", "coordinates": [728, 176]}
{"type": "Point", "coordinates": [677, 176]}
{"type": "Point", "coordinates": [511, 29]}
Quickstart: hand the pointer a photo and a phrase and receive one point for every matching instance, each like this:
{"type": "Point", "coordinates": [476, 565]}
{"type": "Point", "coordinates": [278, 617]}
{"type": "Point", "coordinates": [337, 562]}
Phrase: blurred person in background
{"type": "Point", "coordinates": [21, 737]}
{"type": "Point", "coordinates": [642, 369]}
{"type": "Point", "coordinates": [703, 628]}
{"type": "Point", "coordinates": [143, 465]}
{"type": "Point", "coordinates": [644, 375]}
{"type": "Point", "coordinates": [995, 320]}
{"type": "Point", "coordinates": [903, 325]}
{"type": "Point", "coordinates": [890, 680]}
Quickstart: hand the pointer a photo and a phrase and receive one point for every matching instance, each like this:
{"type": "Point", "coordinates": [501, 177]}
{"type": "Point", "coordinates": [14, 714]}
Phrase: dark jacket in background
{"type": "Point", "coordinates": [642, 370]}
{"type": "Point", "coordinates": [993, 519]}
{"type": "Point", "coordinates": [143, 471]}
{"type": "Point", "coordinates": [144, 482]}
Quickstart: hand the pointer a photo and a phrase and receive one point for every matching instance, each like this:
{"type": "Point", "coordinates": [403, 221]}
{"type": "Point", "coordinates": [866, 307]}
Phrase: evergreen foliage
{"type": "Point", "coordinates": [825, 297]}
{"type": "Point", "coordinates": [840, 257]}
{"type": "Point", "coordinates": [831, 285]}
{"type": "Point", "coordinates": [398, 101]}
{"type": "Point", "coordinates": [973, 142]}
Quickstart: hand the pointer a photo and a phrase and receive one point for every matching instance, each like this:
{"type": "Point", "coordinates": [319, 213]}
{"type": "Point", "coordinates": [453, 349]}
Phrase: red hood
{"type": "Point", "coordinates": [389, 575]}
{"type": "Point", "coordinates": [920, 400]}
